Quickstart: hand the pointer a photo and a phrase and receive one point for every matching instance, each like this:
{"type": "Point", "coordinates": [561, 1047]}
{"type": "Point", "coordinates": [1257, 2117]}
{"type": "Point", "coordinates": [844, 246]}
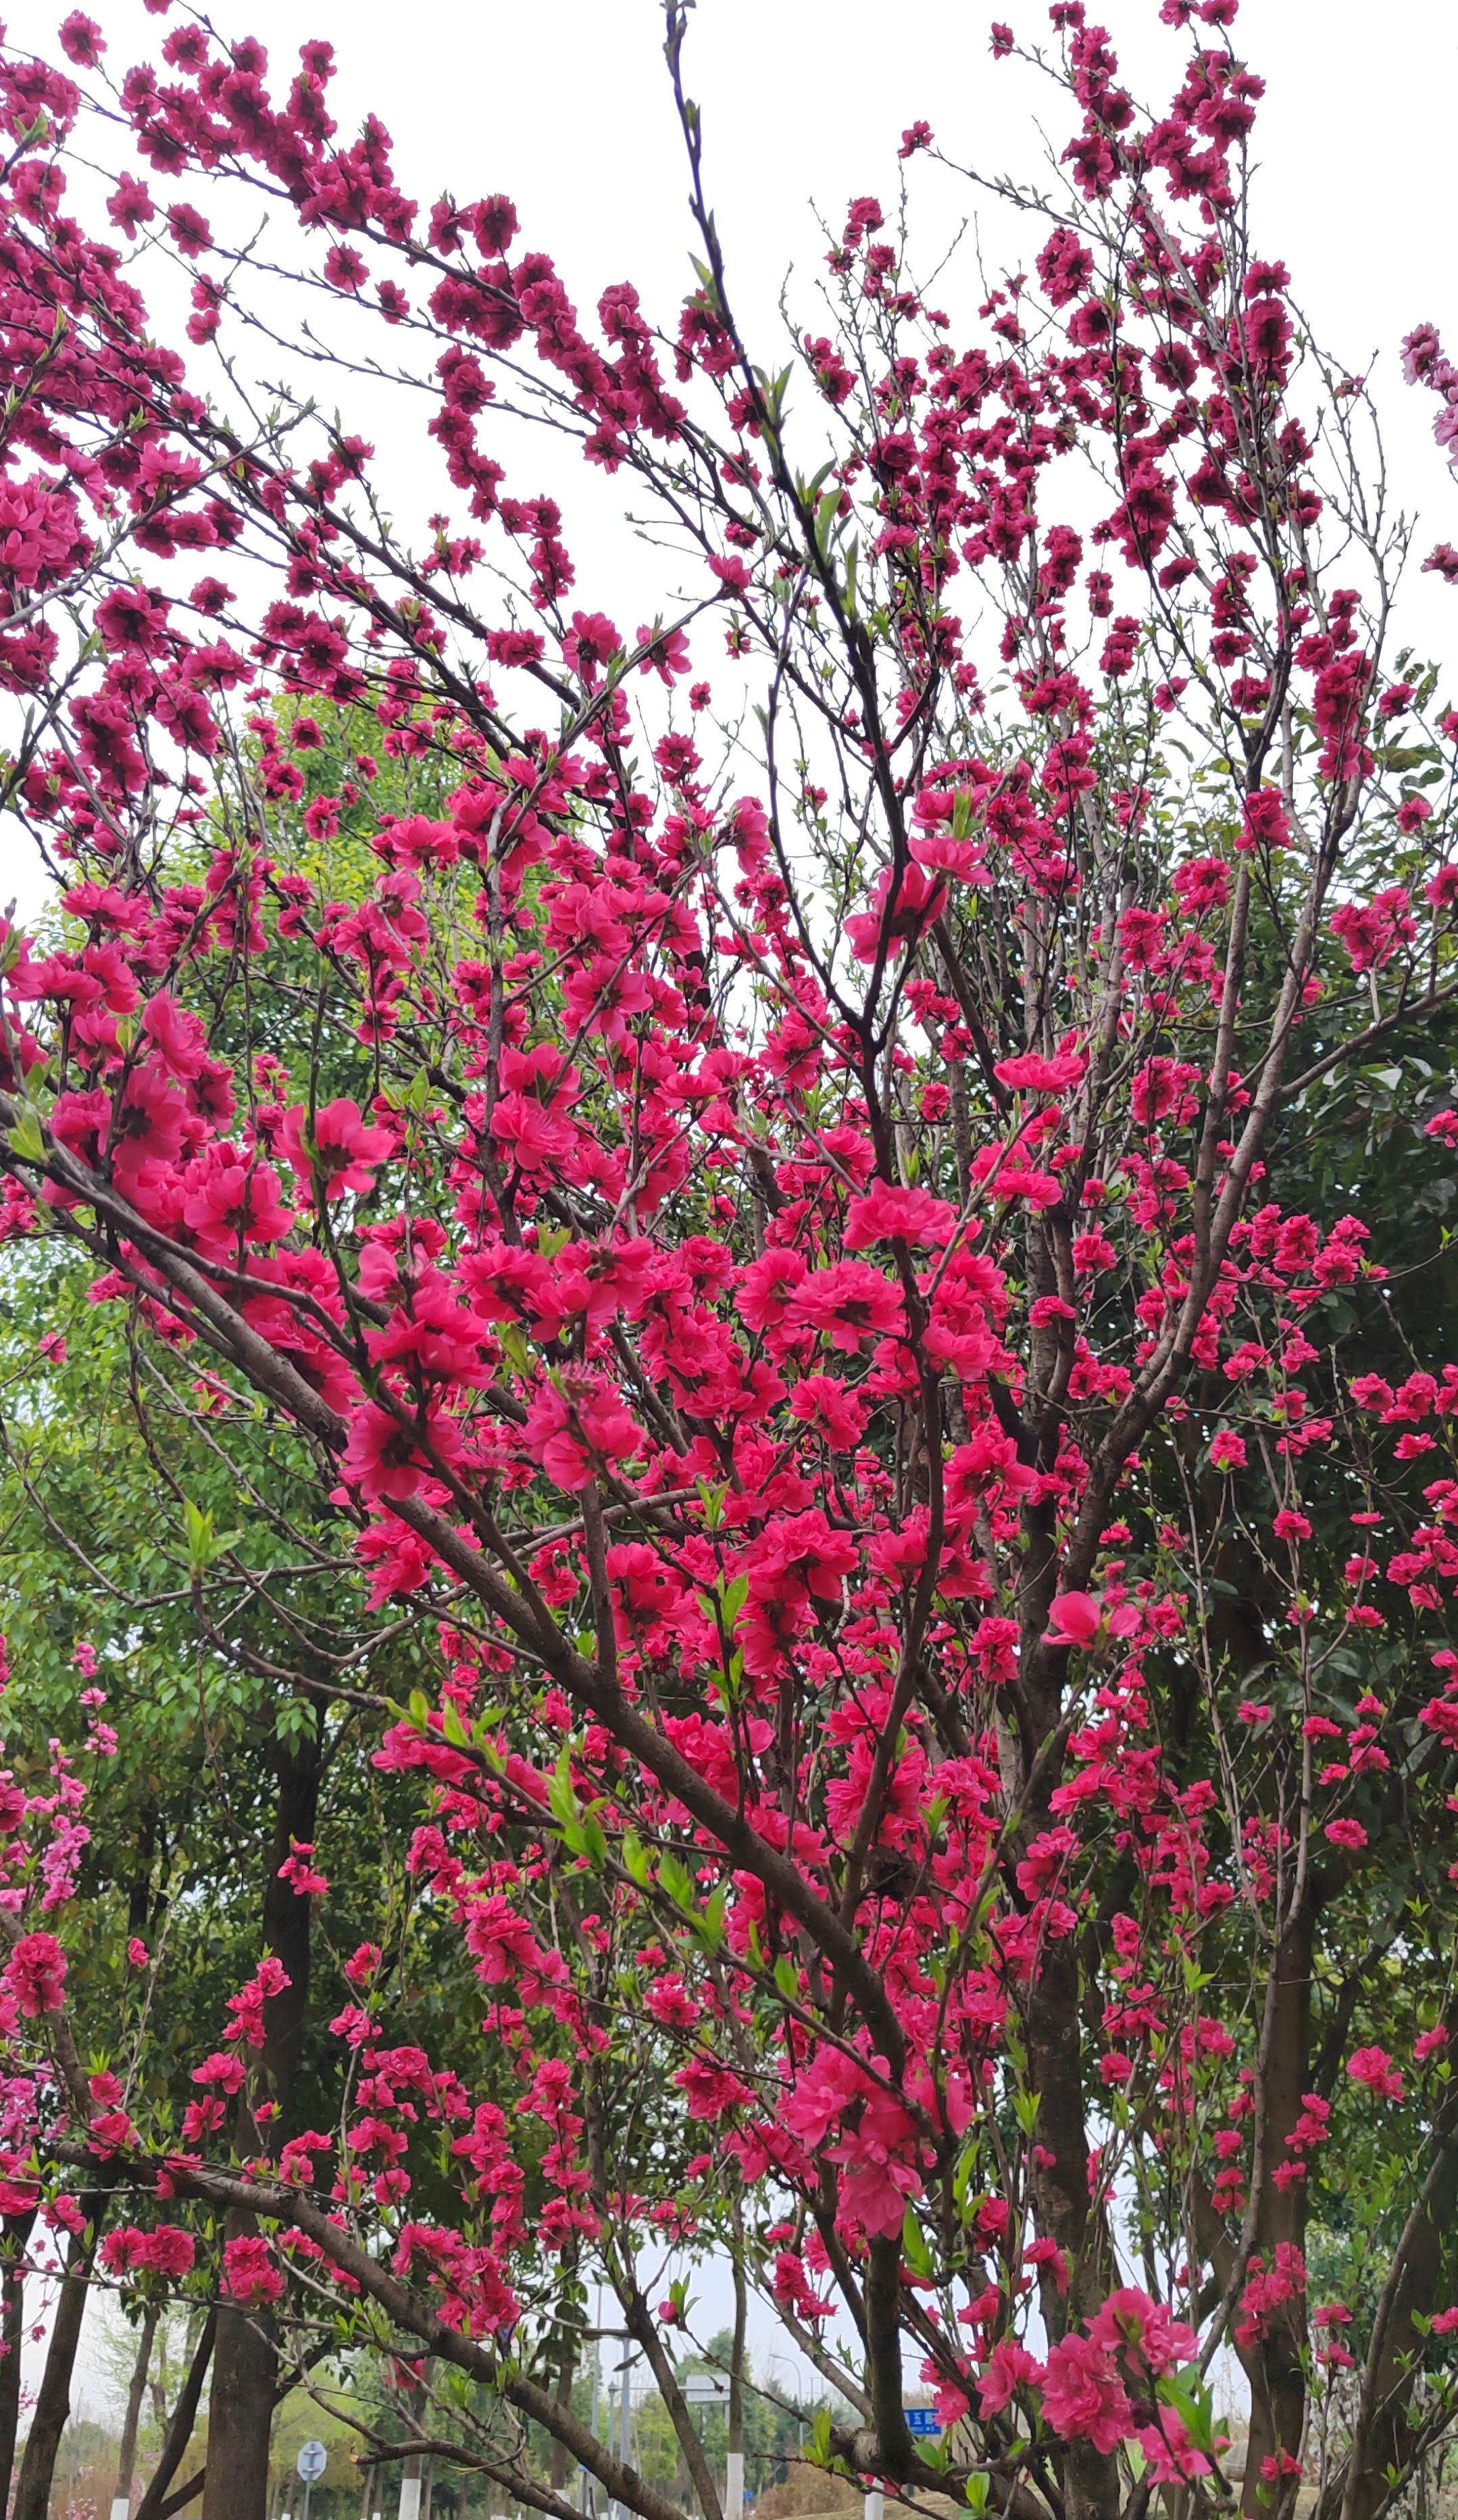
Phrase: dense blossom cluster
{"type": "Point", "coordinates": [786, 1267]}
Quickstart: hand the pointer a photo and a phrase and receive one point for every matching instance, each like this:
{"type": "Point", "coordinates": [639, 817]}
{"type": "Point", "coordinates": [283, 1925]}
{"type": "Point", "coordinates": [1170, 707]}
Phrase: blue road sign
{"type": "Point", "coordinates": [922, 2420]}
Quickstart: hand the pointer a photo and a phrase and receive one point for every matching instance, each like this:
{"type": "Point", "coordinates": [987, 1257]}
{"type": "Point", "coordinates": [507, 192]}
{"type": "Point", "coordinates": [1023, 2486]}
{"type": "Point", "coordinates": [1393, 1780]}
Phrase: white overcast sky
{"type": "Point", "coordinates": [564, 105]}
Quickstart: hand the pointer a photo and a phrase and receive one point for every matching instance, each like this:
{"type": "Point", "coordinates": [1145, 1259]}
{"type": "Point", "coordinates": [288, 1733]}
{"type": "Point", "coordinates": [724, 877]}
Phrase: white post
{"type": "Point", "coordinates": [734, 2501]}
{"type": "Point", "coordinates": [121, 2505]}
{"type": "Point", "coordinates": [875, 2504]}
{"type": "Point", "coordinates": [409, 2497]}
{"type": "Point", "coordinates": [615, 2509]}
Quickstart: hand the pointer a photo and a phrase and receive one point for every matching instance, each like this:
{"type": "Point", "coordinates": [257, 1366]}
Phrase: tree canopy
{"type": "Point", "coordinates": [728, 1362]}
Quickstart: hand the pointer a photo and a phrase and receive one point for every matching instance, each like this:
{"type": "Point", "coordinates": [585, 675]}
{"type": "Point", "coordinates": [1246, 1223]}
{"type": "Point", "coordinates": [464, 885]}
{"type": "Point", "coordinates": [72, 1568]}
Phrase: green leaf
{"type": "Point", "coordinates": [1193, 2405]}
{"type": "Point", "coordinates": [513, 1347]}
{"type": "Point", "coordinates": [914, 2247]}
{"type": "Point", "coordinates": [725, 1603]}
{"type": "Point", "coordinates": [674, 1878]}
{"type": "Point", "coordinates": [25, 1139]}
{"type": "Point", "coordinates": [561, 1798]}
{"type": "Point", "coordinates": [712, 1498]}
{"type": "Point", "coordinates": [201, 1543]}
{"type": "Point", "coordinates": [413, 1095]}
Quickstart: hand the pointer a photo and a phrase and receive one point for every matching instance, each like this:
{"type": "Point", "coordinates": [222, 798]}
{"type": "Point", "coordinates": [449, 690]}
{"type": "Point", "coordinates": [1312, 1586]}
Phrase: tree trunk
{"type": "Point", "coordinates": [53, 2398]}
{"type": "Point", "coordinates": [240, 2410]}
{"type": "Point", "coordinates": [179, 2431]}
{"type": "Point", "coordinates": [414, 2378]}
{"type": "Point", "coordinates": [13, 2243]}
{"type": "Point", "coordinates": [245, 2362]}
{"type": "Point", "coordinates": [1382, 2437]}
{"type": "Point", "coordinates": [566, 2373]}
{"type": "Point", "coordinates": [1064, 2208]}
{"type": "Point", "coordinates": [733, 2483]}
{"type": "Point", "coordinates": [1274, 2364]}
{"type": "Point", "coordinates": [409, 2488]}
{"type": "Point", "coordinates": [126, 2459]}
{"type": "Point", "coordinates": [185, 2494]}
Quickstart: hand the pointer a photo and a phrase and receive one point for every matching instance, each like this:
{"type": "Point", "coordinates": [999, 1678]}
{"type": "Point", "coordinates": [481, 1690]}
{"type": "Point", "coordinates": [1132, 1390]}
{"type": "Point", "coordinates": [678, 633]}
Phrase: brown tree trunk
{"type": "Point", "coordinates": [126, 2459]}
{"type": "Point", "coordinates": [53, 2398]}
{"type": "Point", "coordinates": [1063, 2206]}
{"type": "Point", "coordinates": [185, 2494]}
{"type": "Point", "coordinates": [245, 2365]}
{"type": "Point", "coordinates": [1275, 2366]}
{"type": "Point", "coordinates": [240, 2410]}
{"type": "Point", "coordinates": [180, 2430]}
{"type": "Point", "coordinates": [13, 2243]}
{"type": "Point", "coordinates": [1052, 2013]}
{"type": "Point", "coordinates": [1382, 2437]}
{"type": "Point", "coordinates": [566, 2373]}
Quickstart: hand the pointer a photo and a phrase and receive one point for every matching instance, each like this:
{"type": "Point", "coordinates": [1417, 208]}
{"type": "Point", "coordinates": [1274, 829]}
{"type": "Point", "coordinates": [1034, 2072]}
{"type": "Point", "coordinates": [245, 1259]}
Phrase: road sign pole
{"type": "Point", "coordinates": [312, 2460]}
